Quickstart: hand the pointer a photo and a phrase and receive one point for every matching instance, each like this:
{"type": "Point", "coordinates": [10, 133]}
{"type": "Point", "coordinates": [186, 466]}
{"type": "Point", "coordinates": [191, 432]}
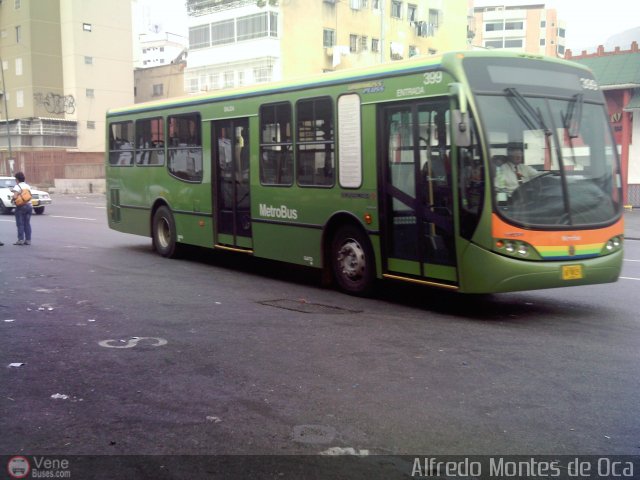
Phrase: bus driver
{"type": "Point", "coordinates": [514, 171]}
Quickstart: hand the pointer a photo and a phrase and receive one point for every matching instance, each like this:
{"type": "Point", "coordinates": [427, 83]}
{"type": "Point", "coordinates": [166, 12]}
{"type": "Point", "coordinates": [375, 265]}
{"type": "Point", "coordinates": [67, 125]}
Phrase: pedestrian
{"type": "Point", "coordinates": [23, 212]}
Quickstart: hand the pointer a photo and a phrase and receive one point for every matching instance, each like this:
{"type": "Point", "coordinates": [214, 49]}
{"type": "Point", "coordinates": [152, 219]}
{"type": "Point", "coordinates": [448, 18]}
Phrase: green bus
{"type": "Point", "coordinates": [477, 172]}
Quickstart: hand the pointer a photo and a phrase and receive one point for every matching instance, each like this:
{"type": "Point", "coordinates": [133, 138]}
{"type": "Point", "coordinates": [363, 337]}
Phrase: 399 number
{"type": "Point", "coordinates": [431, 78]}
{"type": "Point", "coordinates": [589, 84]}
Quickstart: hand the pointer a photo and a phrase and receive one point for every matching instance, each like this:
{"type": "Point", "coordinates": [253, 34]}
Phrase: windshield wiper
{"type": "Point", "coordinates": [574, 116]}
{"type": "Point", "coordinates": [532, 118]}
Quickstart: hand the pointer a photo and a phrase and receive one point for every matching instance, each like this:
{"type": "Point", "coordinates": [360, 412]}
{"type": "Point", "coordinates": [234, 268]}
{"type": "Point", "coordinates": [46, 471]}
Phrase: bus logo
{"type": "Point", "coordinates": [18, 467]}
{"type": "Point", "coordinates": [282, 211]}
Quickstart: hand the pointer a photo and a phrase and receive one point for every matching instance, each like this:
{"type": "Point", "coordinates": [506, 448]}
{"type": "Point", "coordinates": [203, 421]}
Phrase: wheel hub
{"type": "Point", "coordinates": [351, 259]}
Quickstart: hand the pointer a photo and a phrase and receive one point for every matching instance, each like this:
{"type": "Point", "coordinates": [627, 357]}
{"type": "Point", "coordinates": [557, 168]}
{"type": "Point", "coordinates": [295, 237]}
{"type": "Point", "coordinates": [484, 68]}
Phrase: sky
{"type": "Point", "coordinates": [589, 22]}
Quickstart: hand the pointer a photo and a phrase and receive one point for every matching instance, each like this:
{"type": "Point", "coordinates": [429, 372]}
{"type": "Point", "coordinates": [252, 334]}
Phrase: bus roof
{"type": "Point", "coordinates": [412, 65]}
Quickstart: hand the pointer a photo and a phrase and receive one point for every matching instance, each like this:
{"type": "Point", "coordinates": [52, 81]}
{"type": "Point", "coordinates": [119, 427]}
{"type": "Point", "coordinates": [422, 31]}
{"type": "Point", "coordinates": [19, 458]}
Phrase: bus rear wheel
{"type": "Point", "coordinates": [352, 261]}
{"type": "Point", "coordinates": [164, 233]}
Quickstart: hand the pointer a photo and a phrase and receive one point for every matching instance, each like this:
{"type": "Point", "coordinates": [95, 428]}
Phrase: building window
{"type": "Point", "coordinates": [87, 27]}
{"type": "Point", "coordinates": [91, 125]}
{"type": "Point", "coordinates": [18, 34]}
{"type": "Point", "coordinates": [412, 12]}
{"type": "Point", "coordinates": [314, 145]}
{"type": "Point", "coordinates": [513, 43]}
{"type": "Point", "coordinates": [434, 19]}
{"type": "Point", "coordinates": [513, 26]}
{"type": "Point", "coordinates": [543, 24]}
{"type": "Point", "coordinates": [262, 74]}
{"type": "Point", "coordinates": [228, 79]}
{"type": "Point", "coordinates": [223, 32]}
{"type": "Point", "coordinates": [561, 32]}
{"type": "Point", "coordinates": [413, 51]}
{"type": "Point", "coordinates": [353, 43]}
{"type": "Point", "coordinates": [375, 45]}
{"type": "Point", "coordinates": [543, 42]}
{"type": "Point", "coordinates": [328, 37]}
{"type": "Point", "coordinates": [240, 78]}
{"type": "Point", "coordinates": [200, 36]}
{"type": "Point", "coordinates": [276, 145]}
{"type": "Point", "coordinates": [88, 60]}
{"type": "Point", "coordinates": [253, 26]}
{"type": "Point", "coordinates": [364, 40]}
{"type": "Point", "coordinates": [493, 26]}
{"type": "Point", "coordinates": [19, 98]}
{"type": "Point", "coordinates": [158, 89]}
{"type": "Point", "coordinates": [561, 49]}
{"type": "Point", "coordinates": [493, 44]}
{"type": "Point", "coordinates": [89, 92]}
{"type": "Point", "coordinates": [396, 9]}
{"type": "Point", "coordinates": [18, 66]}
{"type": "Point", "coordinates": [17, 4]}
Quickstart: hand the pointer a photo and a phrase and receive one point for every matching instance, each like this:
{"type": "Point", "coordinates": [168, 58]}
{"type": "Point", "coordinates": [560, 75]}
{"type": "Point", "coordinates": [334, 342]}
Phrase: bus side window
{"type": "Point", "coordinates": [276, 146]}
{"type": "Point", "coordinates": [315, 142]}
{"type": "Point", "coordinates": [185, 147]}
{"type": "Point", "coordinates": [471, 185]}
{"type": "Point", "coordinates": [121, 144]}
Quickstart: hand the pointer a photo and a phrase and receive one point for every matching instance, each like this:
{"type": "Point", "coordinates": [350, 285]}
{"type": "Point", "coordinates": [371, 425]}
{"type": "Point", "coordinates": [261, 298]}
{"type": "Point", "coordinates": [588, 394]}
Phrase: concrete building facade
{"type": "Point", "coordinates": [530, 28]}
{"type": "Point", "coordinates": [240, 42]}
{"type": "Point", "coordinates": [64, 63]}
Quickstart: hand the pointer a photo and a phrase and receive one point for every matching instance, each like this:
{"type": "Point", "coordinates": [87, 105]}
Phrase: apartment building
{"type": "Point", "coordinates": [241, 42]}
{"type": "Point", "coordinates": [64, 63]}
{"type": "Point", "coordinates": [529, 27]}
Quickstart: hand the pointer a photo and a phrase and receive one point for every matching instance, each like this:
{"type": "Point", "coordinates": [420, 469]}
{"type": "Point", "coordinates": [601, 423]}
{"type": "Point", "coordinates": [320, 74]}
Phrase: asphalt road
{"type": "Point", "coordinates": [107, 348]}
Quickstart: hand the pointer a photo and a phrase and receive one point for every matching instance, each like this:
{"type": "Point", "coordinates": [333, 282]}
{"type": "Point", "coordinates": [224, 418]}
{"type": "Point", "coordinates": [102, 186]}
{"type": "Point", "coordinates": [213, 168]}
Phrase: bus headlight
{"type": "Point", "coordinates": [515, 248]}
{"type": "Point", "coordinates": [612, 245]}
{"type": "Point", "coordinates": [510, 247]}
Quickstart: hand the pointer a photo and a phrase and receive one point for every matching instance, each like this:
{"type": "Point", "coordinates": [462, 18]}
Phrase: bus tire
{"type": "Point", "coordinates": [164, 233]}
{"type": "Point", "coordinates": [352, 261]}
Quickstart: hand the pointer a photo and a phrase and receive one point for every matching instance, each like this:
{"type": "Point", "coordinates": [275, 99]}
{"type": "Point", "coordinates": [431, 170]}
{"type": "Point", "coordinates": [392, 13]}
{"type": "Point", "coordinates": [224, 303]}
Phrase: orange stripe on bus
{"type": "Point", "coordinates": [540, 238]}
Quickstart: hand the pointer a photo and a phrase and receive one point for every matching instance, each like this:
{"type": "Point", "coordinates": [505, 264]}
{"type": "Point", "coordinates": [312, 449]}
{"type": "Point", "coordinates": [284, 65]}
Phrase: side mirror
{"type": "Point", "coordinates": [459, 116]}
{"type": "Point", "coordinates": [456, 90]}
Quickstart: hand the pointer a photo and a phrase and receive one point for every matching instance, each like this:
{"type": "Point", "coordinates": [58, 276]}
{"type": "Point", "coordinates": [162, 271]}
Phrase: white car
{"type": "Point", "coordinates": [38, 198]}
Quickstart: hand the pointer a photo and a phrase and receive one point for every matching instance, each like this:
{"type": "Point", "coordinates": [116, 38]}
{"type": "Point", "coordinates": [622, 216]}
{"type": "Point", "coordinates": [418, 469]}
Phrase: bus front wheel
{"type": "Point", "coordinates": [352, 261]}
{"type": "Point", "coordinates": [164, 233]}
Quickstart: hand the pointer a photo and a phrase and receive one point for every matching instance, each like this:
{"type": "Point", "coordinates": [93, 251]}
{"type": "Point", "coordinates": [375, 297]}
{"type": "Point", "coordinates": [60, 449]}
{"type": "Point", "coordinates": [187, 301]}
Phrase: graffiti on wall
{"type": "Point", "coordinates": [54, 103]}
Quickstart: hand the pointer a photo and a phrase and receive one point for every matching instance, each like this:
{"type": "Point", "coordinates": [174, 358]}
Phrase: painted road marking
{"type": "Point", "coordinates": [157, 342]}
{"type": "Point", "coordinates": [73, 218]}
{"type": "Point", "coordinates": [630, 278]}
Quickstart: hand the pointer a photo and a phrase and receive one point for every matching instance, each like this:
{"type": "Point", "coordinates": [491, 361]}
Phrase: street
{"type": "Point", "coordinates": [108, 348]}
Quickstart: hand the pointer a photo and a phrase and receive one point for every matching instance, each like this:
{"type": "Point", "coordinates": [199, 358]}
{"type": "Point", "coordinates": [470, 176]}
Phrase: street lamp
{"type": "Point", "coordinates": [6, 113]}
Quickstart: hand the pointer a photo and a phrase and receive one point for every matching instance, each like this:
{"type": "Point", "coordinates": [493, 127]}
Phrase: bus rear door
{"type": "Point", "coordinates": [416, 191]}
{"type": "Point", "coordinates": [232, 205]}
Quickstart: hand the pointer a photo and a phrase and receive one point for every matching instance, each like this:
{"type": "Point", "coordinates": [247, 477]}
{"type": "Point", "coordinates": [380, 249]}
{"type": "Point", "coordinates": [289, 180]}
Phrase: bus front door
{"type": "Point", "coordinates": [230, 154]}
{"type": "Point", "coordinates": [417, 193]}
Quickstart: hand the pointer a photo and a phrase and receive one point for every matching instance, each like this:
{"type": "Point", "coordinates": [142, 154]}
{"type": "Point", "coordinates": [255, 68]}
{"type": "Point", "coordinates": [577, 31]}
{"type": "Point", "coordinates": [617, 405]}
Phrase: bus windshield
{"type": "Point", "coordinates": [552, 159]}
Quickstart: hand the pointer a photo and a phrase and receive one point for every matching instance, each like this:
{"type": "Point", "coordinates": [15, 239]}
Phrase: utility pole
{"type": "Point", "coordinates": [382, 30]}
{"type": "Point", "coordinates": [6, 113]}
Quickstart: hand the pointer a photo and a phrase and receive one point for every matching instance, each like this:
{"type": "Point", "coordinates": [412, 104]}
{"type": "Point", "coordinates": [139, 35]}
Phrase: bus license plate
{"type": "Point", "coordinates": [572, 272]}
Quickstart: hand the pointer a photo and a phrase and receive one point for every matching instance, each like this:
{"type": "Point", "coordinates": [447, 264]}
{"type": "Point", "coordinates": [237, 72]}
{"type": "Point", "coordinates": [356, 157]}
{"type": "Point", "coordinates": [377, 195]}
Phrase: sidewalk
{"type": "Point", "coordinates": [632, 224]}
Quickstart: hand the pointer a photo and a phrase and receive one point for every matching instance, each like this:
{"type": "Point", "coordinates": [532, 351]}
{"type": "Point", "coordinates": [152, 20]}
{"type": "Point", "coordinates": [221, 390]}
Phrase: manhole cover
{"type": "Point", "coordinates": [308, 307]}
{"type": "Point", "coordinates": [313, 434]}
